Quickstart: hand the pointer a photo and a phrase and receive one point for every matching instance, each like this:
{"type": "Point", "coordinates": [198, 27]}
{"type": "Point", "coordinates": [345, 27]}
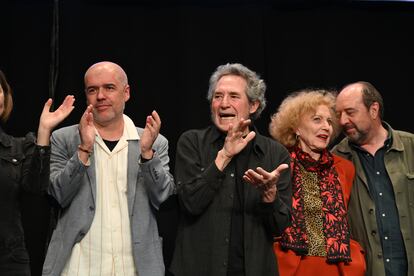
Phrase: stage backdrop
{"type": "Point", "coordinates": [170, 48]}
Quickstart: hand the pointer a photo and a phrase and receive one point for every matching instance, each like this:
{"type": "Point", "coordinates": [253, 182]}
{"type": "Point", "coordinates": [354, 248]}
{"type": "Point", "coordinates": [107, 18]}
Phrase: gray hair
{"type": "Point", "coordinates": [256, 87]}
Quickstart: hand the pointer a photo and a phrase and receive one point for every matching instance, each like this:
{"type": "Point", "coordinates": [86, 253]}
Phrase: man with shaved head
{"type": "Point", "coordinates": [381, 213]}
{"type": "Point", "coordinates": [108, 177]}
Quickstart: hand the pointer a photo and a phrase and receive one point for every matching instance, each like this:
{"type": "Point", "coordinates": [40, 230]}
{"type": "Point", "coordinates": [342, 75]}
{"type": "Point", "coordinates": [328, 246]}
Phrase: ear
{"type": "Point", "coordinates": [373, 110]}
{"type": "Point", "coordinates": [126, 93]}
{"type": "Point", "coordinates": [253, 107]}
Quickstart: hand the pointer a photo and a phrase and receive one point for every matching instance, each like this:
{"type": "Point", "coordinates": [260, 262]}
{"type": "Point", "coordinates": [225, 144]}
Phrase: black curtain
{"type": "Point", "coordinates": [170, 48]}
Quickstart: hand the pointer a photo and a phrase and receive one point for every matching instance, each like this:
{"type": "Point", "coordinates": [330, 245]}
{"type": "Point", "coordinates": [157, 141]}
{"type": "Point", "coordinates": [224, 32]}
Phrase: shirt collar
{"type": "Point", "coordinates": [387, 142]}
{"type": "Point", "coordinates": [130, 131]}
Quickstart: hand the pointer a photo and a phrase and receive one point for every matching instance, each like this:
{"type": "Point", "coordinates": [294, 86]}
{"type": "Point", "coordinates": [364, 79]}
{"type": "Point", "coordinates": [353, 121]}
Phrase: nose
{"type": "Point", "coordinates": [326, 124]}
{"type": "Point", "coordinates": [343, 119]}
{"type": "Point", "coordinates": [224, 101]}
{"type": "Point", "coordinates": [100, 94]}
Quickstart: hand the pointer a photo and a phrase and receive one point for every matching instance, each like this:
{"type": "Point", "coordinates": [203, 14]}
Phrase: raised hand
{"type": "Point", "coordinates": [87, 134]}
{"type": "Point", "coordinates": [151, 131]}
{"type": "Point", "coordinates": [236, 139]}
{"type": "Point", "coordinates": [87, 129]}
{"type": "Point", "coordinates": [49, 120]}
{"type": "Point", "coordinates": [265, 181]}
{"type": "Point", "coordinates": [238, 136]}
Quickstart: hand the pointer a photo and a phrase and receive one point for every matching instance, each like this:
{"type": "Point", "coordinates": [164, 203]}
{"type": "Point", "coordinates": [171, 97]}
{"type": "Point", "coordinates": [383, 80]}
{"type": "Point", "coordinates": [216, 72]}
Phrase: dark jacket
{"type": "Point", "coordinates": [24, 167]}
{"type": "Point", "coordinates": [206, 199]}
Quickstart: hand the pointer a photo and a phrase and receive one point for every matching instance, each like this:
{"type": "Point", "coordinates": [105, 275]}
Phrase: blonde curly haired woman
{"type": "Point", "coordinates": [318, 240]}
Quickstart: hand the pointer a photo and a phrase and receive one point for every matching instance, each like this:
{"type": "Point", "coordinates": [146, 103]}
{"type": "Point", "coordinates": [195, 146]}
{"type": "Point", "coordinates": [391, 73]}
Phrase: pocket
{"type": "Point", "coordinates": [12, 165]}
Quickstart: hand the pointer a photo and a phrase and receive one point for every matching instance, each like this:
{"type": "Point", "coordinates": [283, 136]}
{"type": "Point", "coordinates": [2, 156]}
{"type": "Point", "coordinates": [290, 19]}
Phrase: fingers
{"type": "Point", "coordinates": [261, 178]}
{"type": "Point", "coordinates": [65, 108]}
{"type": "Point", "coordinates": [281, 168]}
{"type": "Point", "coordinates": [47, 105]}
{"type": "Point", "coordinates": [156, 117]}
{"type": "Point", "coordinates": [264, 173]}
{"type": "Point", "coordinates": [68, 102]}
{"type": "Point", "coordinates": [253, 178]}
{"type": "Point", "coordinates": [237, 138]}
{"type": "Point", "coordinates": [230, 130]}
{"type": "Point", "coordinates": [153, 122]}
{"type": "Point", "coordinates": [150, 134]}
{"type": "Point", "coordinates": [248, 179]}
{"type": "Point", "coordinates": [258, 179]}
{"type": "Point", "coordinates": [69, 99]}
{"type": "Point", "coordinates": [240, 127]}
{"type": "Point", "coordinates": [273, 174]}
{"type": "Point", "coordinates": [87, 128]}
{"type": "Point", "coordinates": [88, 110]}
{"type": "Point", "coordinates": [250, 136]}
{"type": "Point", "coordinates": [87, 116]}
{"type": "Point", "coordinates": [50, 119]}
{"type": "Point", "coordinates": [238, 131]}
{"type": "Point", "coordinates": [243, 123]}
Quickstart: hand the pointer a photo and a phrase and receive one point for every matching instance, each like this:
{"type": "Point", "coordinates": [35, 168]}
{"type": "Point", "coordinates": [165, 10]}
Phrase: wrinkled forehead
{"type": "Point", "coordinates": [232, 84]}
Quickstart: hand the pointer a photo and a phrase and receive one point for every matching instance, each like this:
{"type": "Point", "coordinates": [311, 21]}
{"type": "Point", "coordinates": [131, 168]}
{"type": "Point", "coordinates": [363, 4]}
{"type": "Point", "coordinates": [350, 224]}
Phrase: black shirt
{"type": "Point", "coordinates": [206, 197]}
{"type": "Point", "coordinates": [236, 246]}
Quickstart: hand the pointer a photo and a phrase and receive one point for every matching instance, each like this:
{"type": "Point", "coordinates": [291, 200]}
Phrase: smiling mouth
{"type": "Point", "coordinates": [323, 137]}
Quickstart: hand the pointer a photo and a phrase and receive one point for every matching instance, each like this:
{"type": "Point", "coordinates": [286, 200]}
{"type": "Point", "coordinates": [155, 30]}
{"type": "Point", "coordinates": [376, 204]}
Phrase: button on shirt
{"type": "Point", "coordinates": [382, 193]}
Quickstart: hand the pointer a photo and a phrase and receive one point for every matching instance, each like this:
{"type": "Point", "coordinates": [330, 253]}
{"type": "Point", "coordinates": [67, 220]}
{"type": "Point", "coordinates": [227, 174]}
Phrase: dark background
{"type": "Point", "coordinates": [170, 48]}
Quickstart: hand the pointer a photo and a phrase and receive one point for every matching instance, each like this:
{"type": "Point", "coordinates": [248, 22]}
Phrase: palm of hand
{"type": "Point", "coordinates": [50, 119]}
{"type": "Point", "coordinates": [234, 145]}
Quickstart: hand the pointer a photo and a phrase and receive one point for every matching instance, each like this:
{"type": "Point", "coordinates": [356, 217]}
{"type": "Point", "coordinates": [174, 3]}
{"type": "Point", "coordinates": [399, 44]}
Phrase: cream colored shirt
{"type": "Point", "coordinates": [107, 248]}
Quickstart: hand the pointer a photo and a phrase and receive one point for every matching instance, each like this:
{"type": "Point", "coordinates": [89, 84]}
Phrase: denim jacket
{"type": "Point", "coordinates": [24, 167]}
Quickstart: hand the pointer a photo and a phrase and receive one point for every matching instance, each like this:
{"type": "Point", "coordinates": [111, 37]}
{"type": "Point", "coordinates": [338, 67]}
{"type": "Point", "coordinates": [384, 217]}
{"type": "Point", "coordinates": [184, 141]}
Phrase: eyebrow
{"type": "Point", "coordinates": [103, 85]}
{"type": "Point", "coordinates": [350, 109]}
